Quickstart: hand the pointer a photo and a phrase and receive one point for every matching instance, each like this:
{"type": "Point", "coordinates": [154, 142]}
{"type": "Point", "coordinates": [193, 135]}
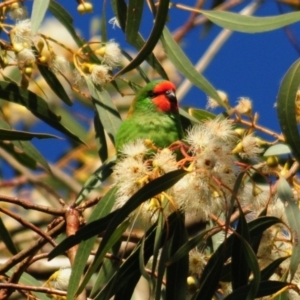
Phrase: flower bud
{"type": "Point", "coordinates": [85, 7]}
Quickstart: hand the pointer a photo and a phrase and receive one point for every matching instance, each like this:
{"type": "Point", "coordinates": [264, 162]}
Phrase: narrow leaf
{"type": "Point", "coordinates": [65, 19]}
{"type": "Point", "coordinates": [39, 10]}
{"type": "Point", "coordinates": [186, 68]}
{"type": "Point", "coordinates": [38, 106]}
{"type": "Point", "coordinates": [102, 208]}
{"type": "Point", "coordinates": [6, 238]}
{"type": "Point", "coordinates": [10, 135]}
{"type": "Point", "coordinates": [96, 179]}
{"type": "Point", "coordinates": [286, 108]}
{"type": "Point", "coordinates": [266, 288]}
{"type": "Point", "coordinates": [133, 20]}
{"type": "Point", "coordinates": [278, 149]}
{"type": "Point", "coordinates": [54, 84]}
{"type": "Point", "coordinates": [146, 50]}
{"type": "Point", "coordinates": [107, 112]}
{"type": "Point", "coordinates": [120, 10]}
{"type": "Point", "coordinates": [250, 24]}
{"type": "Point", "coordinates": [177, 272]}
{"type": "Point", "coordinates": [293, 217]}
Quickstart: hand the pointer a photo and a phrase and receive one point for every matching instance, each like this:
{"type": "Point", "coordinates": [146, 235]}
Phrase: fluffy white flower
{"type": "Point", "coordinates": [22, 32]}
{"type": "Point", "coordinates": [100, 74]}
{"type": "Point", "coordinates": [165, 161]}
{"type": "Point", "coordinates": [25, 57]}
{"type": "Point", "coordinates": [137, 148]}
{"type": "Point", "coordinates": [112, 54]}
{"type": "Point", "coordinates": [244, 106]}
{"type": "Point", "coordinates": [212, 103]}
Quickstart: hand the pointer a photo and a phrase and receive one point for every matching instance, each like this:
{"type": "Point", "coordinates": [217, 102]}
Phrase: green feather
{"type": "Point", "coordinates": [146, 122]}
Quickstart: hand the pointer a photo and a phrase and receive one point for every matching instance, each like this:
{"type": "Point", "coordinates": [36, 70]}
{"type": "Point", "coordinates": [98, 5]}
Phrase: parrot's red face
{"type": "Point", "coordinates": [164, 97]}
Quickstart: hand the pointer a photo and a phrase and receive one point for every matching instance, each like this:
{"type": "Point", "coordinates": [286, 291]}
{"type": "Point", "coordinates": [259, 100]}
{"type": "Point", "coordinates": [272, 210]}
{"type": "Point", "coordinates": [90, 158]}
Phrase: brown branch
{"type": "Point", "coordinates": [28, 225]}
{"type": "Point", "coordinates": [29, 205]}
{"type": "Point", "coordinates": [58, 227]}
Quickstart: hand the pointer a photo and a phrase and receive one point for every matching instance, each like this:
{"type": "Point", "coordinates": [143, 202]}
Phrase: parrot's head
{"type": "Point", "coordinates": [158, 95]}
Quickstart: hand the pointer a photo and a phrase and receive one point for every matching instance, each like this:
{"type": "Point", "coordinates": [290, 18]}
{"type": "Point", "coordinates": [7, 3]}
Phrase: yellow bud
{"type": "Point", "coordinates": [85, 7]}
{"type": "Point", "coordinates": [87, 68]}
{"type": "Point", "coordinates": [28, 71]}
{"type": "Point", "coordinates": [40, 45]}
{"type": "Point", "coordinates": [18, 47]}
{"type": "Point", "coordinates": [101, 51]}
{"type": "Point", "coordinates": [239, 148]}
{"type": "Point", "coordinates": [43, 59]}
{"type": "Point", "coordinates": [15, 5]}
{"type": "Point", "coordinates": [256, 190]}
{"type": "Point", "coordinates": [153, 205]}
{"type": "Point", "coordinates": [285, 169]}
{"type": "Point", "coordinates": [191, 280]}
{"type": "Point", "coordinates": [148, 143]}
{"type": "Point", "coordinates": [240, 131]}
{"type": "Point", "coordinates": [272, 161]}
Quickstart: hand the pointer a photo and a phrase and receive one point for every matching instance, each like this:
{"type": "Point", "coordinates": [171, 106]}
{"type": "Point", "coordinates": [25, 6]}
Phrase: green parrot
{"type": "Point", "coordinates": [153, 115]}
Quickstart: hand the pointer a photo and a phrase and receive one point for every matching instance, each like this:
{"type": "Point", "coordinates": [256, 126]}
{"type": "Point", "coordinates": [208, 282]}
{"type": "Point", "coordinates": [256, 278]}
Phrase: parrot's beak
{"type": "Point", "coordinates": [170, 94]}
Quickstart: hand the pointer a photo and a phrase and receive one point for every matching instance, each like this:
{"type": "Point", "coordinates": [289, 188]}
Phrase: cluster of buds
{"type": "Point", "coordinates": [109, 55]}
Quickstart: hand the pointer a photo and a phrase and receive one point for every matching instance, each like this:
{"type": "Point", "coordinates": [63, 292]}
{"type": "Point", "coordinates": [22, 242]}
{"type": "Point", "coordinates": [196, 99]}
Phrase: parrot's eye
{"type": "Point", "coordinates": [151, 94]}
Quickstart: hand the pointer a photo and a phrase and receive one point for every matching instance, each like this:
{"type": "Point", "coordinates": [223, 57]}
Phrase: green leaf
{"type": "Point", "coordinates": [129, 273]}
{"type": "Point", "coordinates": [33, 153]}
{"type": "Point", "coordinates": [99, 256]}
{"type": "Point", "coordinates": [265, 288]}
{"type": "Point", "coordinates": [133, 20]}
{"type": "Point", "coordinates": [38, 106]}
{"type": "Point", "coordinates": [65, 19]}
{"type": "Point", "coordinates": [269, 270]}
{"type": "Point", "coordinates": [102, 208]}
{"type": "Point", "coordinates": [146, 50]}
{"type": "Point", "coordinates": [100, 138]}
{"type": "Point", "coordinates": [250, 24]}
{"type": "Point", "coordinates": [286, 108]}
{"type": "Point", "coordinates": [107, 112]}
{"type": "Point", "coordinates": [253, 264]}
{"type": "Point", "coordinates": [25, 153]}
{"type": "Point", "coordinates": [240, 269]}
{"type": "Point", "coordinates": [54, 84]}
{"type": "Point", "coordinates": [96, 179]}
{"type": "Point", "coordinates": [6, 239]}
{"type": "Point", "coordinates": [108, 269]}
{"type": "Point", "coordinates": [120, 10]}
{"type": "Point", "coordinates": [278, 149]}
{"type": "Point", "coordinates": [186, 68]}
{"type": "Point", "coordinates": [211, 274]}
{"type": "Point", "coordinates": [292, 212]}
{"type": "Point", "coordinates": [201, 114]}
{"type": "Point", "coordinates": [39, 10]}
{"type": "Point", "coordinates": [103, 21]}
{"type": "Point", "coordinates": [11, 134]}
{"type": "Point", "coordinates": [177, 272]}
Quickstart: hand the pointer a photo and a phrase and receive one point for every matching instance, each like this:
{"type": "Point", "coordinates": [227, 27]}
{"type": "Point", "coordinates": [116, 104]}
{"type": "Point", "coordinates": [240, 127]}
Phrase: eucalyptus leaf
{"type": "Point", "coordinates": [38, 106]}
{"type": "Point", "coordinates": [186, 68]}
{"type": "Point", "coordinates": [292, 212]}
{"type": "Point", "coordinates": [133, 19]}
{"type": "Point", "coordinates": [278, 149]}
{"type": "Point", "coordinates": [286, 108]}
{"type": "Point", "coordinates": [250, 24]}
{"type": "Point", "coordinates": [39, 10]}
